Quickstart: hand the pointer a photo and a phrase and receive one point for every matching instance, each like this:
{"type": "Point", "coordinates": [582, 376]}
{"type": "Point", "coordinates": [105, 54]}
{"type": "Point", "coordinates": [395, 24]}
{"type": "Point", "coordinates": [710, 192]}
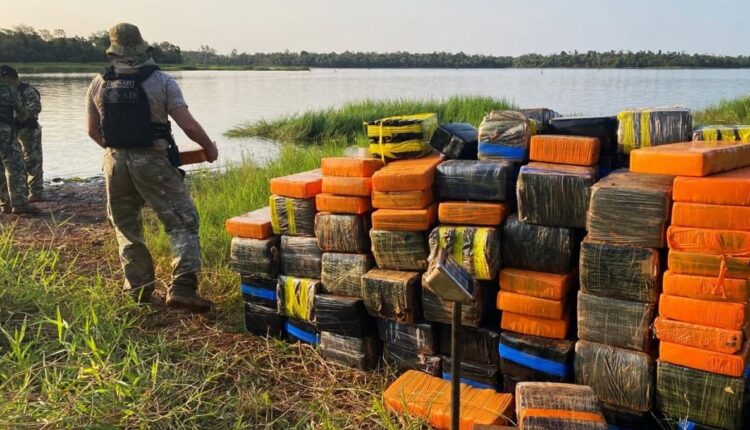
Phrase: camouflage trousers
{"type": "Point", "coordinates": [31, 144]}
{"type": "Point", "coordinates": [144, 177]}
{"type": "Point", "coordinates": [14, 191]}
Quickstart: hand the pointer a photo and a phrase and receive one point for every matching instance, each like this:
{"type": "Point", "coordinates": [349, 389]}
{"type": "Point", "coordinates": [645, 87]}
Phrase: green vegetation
{"type": "Point", "coordinates": [26, 68]}
{"type": "Point", "coordinates": [735, 111]}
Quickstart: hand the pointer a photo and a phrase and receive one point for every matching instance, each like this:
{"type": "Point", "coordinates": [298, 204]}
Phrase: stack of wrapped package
{"type": "Point", "coordinates": [293, 214]}
{"type": "Point", "coordinates": [456, 141]}
{"type": "Point", "coordinates": [642, 128]}
{"type": "Point", "coordinates": [348, 333]}
{"type": "Point", "coordinates": [536, 286]}
{"type": "Point", "coordinates": [703, 317]}
{"type": "Point", "coordinates": [545, 406]}
{"type": "Point", "coordinates": [736, 133]}
{"type": "Point", "coordinates": [401, 137]}
{"type": "Point", "coordinates": [255, 256]}
{"type": "Point", "coordinates": [619, 289]}
{"type": "Point", "coordinates": [505, 135]}
{"type": "Point", "coordinates": [603, 128]}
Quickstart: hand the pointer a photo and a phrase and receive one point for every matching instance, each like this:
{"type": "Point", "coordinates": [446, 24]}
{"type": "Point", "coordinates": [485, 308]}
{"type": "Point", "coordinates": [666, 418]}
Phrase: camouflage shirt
{"type": "Point", "coordinates": [32, 101]}
{"type": "Point", "coordinates": [10, 104]}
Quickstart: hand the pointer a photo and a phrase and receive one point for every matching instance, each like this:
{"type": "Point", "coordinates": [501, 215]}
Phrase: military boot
{"type": "Point", "coordinates": [141, 295]}
{"type": "Point", "coordinates": [183, 294]}
{"type": "Point", "coordinates": [25, 210]}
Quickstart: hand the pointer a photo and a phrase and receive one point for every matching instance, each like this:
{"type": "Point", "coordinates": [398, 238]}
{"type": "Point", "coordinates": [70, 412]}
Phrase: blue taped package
{"type": "Point", "coordinates": [492, 151]}
{"type": "Point", "coordinates": [259, 294]}
{"type": "Point", "coordinates": [539, 364]}
{"type": "Point", "coordinates": [474, 374]}
{"type": "Point", "coordinates": [470, 382]}
{"type": "Point", "coordinates": [536, 359]}
{"type": "Point", "coordinates": [302, 331]}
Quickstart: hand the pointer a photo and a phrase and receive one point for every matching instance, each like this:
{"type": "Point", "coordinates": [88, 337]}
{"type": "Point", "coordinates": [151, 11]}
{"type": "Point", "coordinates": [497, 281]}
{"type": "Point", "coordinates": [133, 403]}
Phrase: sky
{"type": "Point", "coordinates": [492, 27]}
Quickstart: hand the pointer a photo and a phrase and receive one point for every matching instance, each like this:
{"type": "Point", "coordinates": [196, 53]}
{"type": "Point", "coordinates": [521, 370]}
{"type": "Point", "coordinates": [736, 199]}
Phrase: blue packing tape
{"type": "Point", "coordinates": [300, 334]}
{"type": "Point", "coordinates": [686, 425]}
{"type": "Point", "coordinates": [746, 374]}
{"type": "Point", "coordinates": [539, 364]}
{"type": "Point", "coordinates": [260, 293]}
{"type": "Point", "coordinates": [516, 153]}
{"type": "Point", "coordinates": [469, 382]}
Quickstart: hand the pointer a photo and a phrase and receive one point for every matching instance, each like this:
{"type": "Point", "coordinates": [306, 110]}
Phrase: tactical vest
{"type": "Point", "coordinates": [126, 120]}
{"type": "Point", "coordinates": [7, 106]}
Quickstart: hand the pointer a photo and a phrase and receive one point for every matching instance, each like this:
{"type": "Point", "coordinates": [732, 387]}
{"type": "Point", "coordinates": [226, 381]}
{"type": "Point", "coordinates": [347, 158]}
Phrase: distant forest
{"type": "Point", "coordinates": [24, 44]}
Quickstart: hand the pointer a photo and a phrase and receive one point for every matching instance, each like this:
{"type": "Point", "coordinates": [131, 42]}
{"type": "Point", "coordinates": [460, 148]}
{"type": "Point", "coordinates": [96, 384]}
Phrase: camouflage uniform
{"type": "Point", "coordinates": [10, 155]}
{"type": "Point", "coordinates": [30, 137]}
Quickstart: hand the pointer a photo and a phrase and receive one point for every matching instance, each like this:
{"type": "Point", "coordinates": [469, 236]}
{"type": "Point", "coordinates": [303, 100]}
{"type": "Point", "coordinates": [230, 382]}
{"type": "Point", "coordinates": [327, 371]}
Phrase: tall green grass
{"type": "Point", "coordinates": [736, 111]}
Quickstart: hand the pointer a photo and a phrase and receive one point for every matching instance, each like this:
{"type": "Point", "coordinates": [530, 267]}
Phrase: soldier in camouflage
{"type": "Point", "coordinates": [128, 109]}
{"type": "Point", "coordinates": [14, 192]}
{"type": "Point", "coordinates": [29, 133]}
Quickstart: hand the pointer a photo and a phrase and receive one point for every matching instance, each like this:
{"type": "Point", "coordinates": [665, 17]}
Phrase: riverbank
{"type": "Point", "coordinates": [29, 68]}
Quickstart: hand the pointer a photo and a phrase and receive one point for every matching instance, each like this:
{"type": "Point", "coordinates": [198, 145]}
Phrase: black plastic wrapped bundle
{"type": "Point", "coordinates": [292, 217]}
{"type": "Point", "coordinates": [631, 209]}
{"type": "Point", "coordinates": [421, 337]}
{"type": "Point", "coordinates": [702, 397]}
{"type": "Point", "coordinates": [505, 135]}
{"type": "Point", "coordinates": [485, 376]}
{"type": "Point", "coordinates": [400, 250]}
{"type": "Point", "coordinates": [554, 195]}
{"type": "Point", "coordinates": [476, 249]}
{"type": "Point", "coordinates": [462, 180]}
{"type": "Point", "coordinates": [358, 352]}
{"type": "Point", "coordinates": [253, 257]}
{"type": "Point", "coordinates": [555, 406]}
{"type": "Point", "coordinates": [641, 128]}
{"type": "Point", "coordinates": [478, 344]}
{"type": "Point", "coordinates": [301, 257]}
{"type": "Point", "coordinates": [542, 116]}
{"type": "Point", "coordinates": [456, 141]}
{"type": "Point", "coordinates": [301, 331]}
{"type": "Point", "coordinates": [344, 316]}
{"type": "Point", "coordinates": [620, 271]}
{"type": "Point", "coordinates": [620, 323]}
{"type": "Point", "coordinates": [262, 321]}
{"type": "Point", "coordinates": [342, 273]}
{"type": "Point", "coordinates": [624, 419]}
{"type": "Point", "coordinates": [537, 247]}
{"type": "Point", "coordinates": [392, 295]}
{"type": "Point", "coordinates": [603, 128]}
{"type": "Point", "coordinates": [618, 376]}
{"type": "Point", "coordinates": [438, 310]}
{"type": "Point", "coordinates": [534, 358]}
{"type": "Point", "coordinates": [342, 233]}
{"type": "Point", "coordinates": [296, 297]}
{"type": "Point", "coordinates": [259, 291]}
{"type": "Point", "coordinates": [406, 359]}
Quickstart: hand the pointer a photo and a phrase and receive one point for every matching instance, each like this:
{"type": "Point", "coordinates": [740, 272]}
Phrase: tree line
{"type": "Point", "coordinates": [26, 44]}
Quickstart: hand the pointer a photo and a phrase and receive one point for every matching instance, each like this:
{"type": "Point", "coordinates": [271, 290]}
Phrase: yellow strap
{"type": "Point", "coordinates": [744, 134]}
{"type": "Point", "coordinates": [392, 150]}
{"type": "Point", "coordinates": [297, 298]}
{"type": "Point", "coordinates": [274, 215]}
{"type": "Point", "coordinates": [289, 204]}
{"type": "Point", "coordinates": [710, 134]}
{"type": "Point", "coordinates": [441, 238]}
{"type": "Point", "coordinates": [645, 129]}
{"type": "Point", "coordinates": [481, 266]}
{"type": "Point", "coordinates": [627, 131]}
{"type": "Point", "coordinates": [380, 143]}
{"type": "Point", "coordinates": [458, 245]}
{"type": "Point", "coordinates": [389, 130]}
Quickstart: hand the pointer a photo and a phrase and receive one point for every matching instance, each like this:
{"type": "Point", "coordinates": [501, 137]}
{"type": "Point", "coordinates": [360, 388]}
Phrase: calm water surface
{"type": "Point", "coordinates": [221, 100]}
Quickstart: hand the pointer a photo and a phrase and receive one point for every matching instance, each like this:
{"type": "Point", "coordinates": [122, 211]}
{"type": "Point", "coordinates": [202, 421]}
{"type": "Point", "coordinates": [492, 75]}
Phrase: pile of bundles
{"type": "Point", "coordinates": [702, 325]}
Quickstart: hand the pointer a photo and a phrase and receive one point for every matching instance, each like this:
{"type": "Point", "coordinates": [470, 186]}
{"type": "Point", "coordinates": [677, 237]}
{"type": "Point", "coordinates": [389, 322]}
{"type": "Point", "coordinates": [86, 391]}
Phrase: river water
{"type": "Point", "coordinates": [221, 100]}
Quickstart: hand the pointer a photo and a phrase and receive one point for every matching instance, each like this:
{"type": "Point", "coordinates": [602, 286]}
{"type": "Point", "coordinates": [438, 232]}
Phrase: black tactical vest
{"type": "Point", "coordinates": [126, 120]}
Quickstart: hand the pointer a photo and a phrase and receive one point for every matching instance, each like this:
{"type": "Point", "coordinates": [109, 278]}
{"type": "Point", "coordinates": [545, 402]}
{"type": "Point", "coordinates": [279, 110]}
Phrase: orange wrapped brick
{"type": "Point", "coordinates": [706, 288]}
{"type": "Point", "coordinates": [700, 359]}
{"type": "Point", "coordinates": [305, 185]}
{"type": "Point", "coordinates": [407, 175]}
{"type": "Point", "coordinates": [720, 266]}
{"type": "Point", "coordinates": [345, 186]}
{"type": "Point", "coordinates": [194, 156]}
{"type": "Point", "coordinates": [404, 220]}
{"type": "Point", "coordinates": [342, 204]}
{"type": "Point", "coordinates": [252, 225]}
{"type": "Point", "coordinates": [532, 306]}
{"type": "Point", "coordinates": [402, 199]}
{"type": "Point", "coordinates": [577, 150]}
{"type": "Point", "coordinates": [698, 158]}
{"type": "Point", "coordinates": [350, 167]}
{"type": "Point", "coordinates": [698, 336]}
{"type": "Point", "coordinates": [472, 213]}
{"type": "Point", "coordinates": [709, 241]}
{"type": "Point", "coordinates": [728, 188]}
{"type": "Point", "coordinates": [537, 284]}
{"type": "Point", "coordinates": [535, 326]}
{"type": "Point", "coordinates": [428, 397]}
{"type": "Point", "coordinates": [726, 315]}
{"type": "Point", "coordinates": [711, 216]}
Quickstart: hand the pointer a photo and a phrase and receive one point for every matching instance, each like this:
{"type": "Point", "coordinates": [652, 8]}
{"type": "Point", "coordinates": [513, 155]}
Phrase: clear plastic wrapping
{"type": "Point", "coordinates": [344, 316]}
{"type": "Point", "coordinates": [296, 297]}
{"type": "Point", "coordinates": [505, 134]}
{"type": "Point", "coordinates": [342, 273]}
{"type": "Point", "coordinates": [618, 376]}
{"type": "Point", "coordinates": [490, 180]}
{"type": "Point", "coordinates": [641, 128]}
{"type": "Point", "coordinates": [620, 323]}
{"type": "Point", "coordinates": [392, 295]}
{"type": "Point", "coordinates": [534, 358]}
{"type": "Point", "coordinates": [476, 249]}
{"type": "Point", "coordinates": [474, 375]}
{"type": "Point", "coordinates": [292, 217]}
{"type": "Point", "coordinates": [456, 141]}
{"type": "Point", "coordinates": [405, 359]}
{"type": "Point", "coordinates": [422, 338]}
{"type": "Point", "coordinates": [342, 233]}
{"type": "Point", "coordinates": [603, 128]}
{"type": "Point", "coordinates": [263, 321]}
{"type": "Point", "coordinates": [406, 136]}
{"type": "Point", "coordinates": [732, 133]}
{"type": "Point", "coordinates": [542, 116]}
{"type": "Point", "coordinates": [358, 352]}
{"type": "Point", "coordinates": [255, 257]}
{"type": "Point", "coordinates": [301, 331]}
{"type": "Point", "coordinates": [477, 344]}
{"type": "Point", "coordinates": [631, 209]}
{"type": "Point", "coordinates": [400, 250]}
{"type": "Point", "coordinates": [259, 291]}
{"type": "Point", "coordinates": [554, 195]}
{"type": "Point", "coordinates": [702, 397]}
{"type": "Point", "coordinates": [554, 406]}
{"type": "Point", "coordinates": [620, 271]}
{"type": "Point", "coordinates": [301, 257]}
{"type": "Point", "coordinates": [438, 310]}
{"type": "Point", "coordinates": [537, 247]}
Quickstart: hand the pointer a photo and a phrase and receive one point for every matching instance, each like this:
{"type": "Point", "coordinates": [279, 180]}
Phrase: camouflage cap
{"type": "Point", "coordinates": [126, 41]}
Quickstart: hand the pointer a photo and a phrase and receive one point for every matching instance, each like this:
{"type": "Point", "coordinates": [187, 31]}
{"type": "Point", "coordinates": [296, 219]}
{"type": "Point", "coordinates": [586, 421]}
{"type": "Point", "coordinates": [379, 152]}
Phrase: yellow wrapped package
{"type": "Point", "coordinates": [476, 249]}
{"type": "Point", "coordinates": [641, 128]}
{"type": "Point", "coordinates": [399, 137]}
{"type": "Point", "coordinates": [732, 133]}
{"type": "Point", "coordinates": [296, 297]}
